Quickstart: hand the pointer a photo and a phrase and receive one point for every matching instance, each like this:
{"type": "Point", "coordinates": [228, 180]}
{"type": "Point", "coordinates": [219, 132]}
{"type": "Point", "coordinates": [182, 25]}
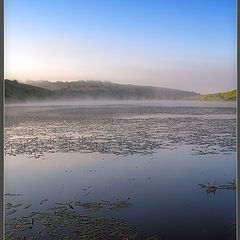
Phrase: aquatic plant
{"type": "Point", "coordinates": [62, 221]}
{"type": "Point", "coordinates": [214, 188]}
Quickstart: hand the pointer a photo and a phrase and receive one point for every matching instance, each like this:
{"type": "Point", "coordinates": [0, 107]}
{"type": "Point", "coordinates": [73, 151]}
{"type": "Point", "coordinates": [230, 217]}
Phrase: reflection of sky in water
{"type": "Point", "coordinates": [163, 188]}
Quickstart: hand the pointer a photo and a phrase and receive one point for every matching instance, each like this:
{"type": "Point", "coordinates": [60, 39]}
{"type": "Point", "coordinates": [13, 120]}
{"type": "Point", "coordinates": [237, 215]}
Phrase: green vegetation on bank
{"type": "Point", "coordinates": [15, 91]}
{"type": "Point", "coordinates": [225, 96]}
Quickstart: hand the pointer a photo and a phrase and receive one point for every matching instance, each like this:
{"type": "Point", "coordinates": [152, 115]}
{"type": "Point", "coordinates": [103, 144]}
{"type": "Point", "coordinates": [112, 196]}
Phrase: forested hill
{"type": "Point", "coordinates": [15, 91]}
{"type": "Point", "coordinates": [99, 89]}
{"type": "Point", "coordinates": [41, 90]}
{"type": "Point", "coordinates": [45, 90]}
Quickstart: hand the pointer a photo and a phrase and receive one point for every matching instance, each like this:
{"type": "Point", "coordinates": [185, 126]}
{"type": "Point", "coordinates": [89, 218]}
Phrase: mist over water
{"type": "Point", "coordinates": [110, 102]}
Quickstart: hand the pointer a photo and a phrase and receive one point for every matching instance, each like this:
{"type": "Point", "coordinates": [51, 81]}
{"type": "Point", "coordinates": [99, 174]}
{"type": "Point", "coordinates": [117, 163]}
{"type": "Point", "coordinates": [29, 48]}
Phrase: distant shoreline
{"type": "Point", "coordinates": [45, 91]}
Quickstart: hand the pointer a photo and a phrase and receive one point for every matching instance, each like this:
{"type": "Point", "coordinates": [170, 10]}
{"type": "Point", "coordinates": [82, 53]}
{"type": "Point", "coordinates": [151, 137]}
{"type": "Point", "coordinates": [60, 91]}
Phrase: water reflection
{"type": "Point", "coordinates": [161, 188]}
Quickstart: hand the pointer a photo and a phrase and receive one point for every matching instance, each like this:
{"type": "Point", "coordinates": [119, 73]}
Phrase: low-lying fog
{"type": "Point", "coordinates": [106, 102]}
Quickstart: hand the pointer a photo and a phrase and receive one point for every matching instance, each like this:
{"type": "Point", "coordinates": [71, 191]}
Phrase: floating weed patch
{"type": "Point", "coordinates": [96, 206]}
{"type": "Point", "coordinates": [61, 222]}
{"type": "Point", "coordinates": [155, 237]}
{"type": "Point", "coordinates": [10, 205]}
{"type": "Point", "coordinates": [72, 226]}
{"type": "Point", "coordinates": [12, 194]}
{"type": "Point", "coordinates": [118, 205]}
{"type": "Point", "coordinates": [91, 206]}
{"type": "Point", "coordinates": [58, 203]}
{"type": "Point", "coordinates": [57, 134]}
{"type": "Point", "coordinates": [11, 212]}
{"type": "Point", "coordinates": [44, 200]}
{"type": "Point", "coordinates": [31, 214]}
{"type": "Point", "coordinates": [27, 206]}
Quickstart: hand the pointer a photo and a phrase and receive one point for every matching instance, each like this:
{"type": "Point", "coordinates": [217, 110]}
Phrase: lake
{"type": "Point", "coordinates": [132, 168]}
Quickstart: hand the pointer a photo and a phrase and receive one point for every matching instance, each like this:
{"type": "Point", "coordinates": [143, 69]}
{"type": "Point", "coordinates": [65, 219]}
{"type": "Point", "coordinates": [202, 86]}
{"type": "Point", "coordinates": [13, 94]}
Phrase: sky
{"type": "Point", "coordinates": [187, 44]}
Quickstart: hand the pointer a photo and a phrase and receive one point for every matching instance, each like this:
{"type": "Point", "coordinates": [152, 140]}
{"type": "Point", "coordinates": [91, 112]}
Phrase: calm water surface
{"type": "Point", "coordinates": [153, 156]}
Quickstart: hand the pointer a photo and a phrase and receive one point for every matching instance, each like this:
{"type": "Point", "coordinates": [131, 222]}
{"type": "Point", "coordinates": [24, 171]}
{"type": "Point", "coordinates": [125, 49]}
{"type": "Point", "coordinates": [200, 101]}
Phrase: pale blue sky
{"type": "Point", "coordinates": [184, 44]}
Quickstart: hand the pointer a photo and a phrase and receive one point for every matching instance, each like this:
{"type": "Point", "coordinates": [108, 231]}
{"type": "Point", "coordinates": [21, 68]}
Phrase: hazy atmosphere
{"type": "Point", "coordinates": [120, 120]}
{"type": "Point", "coordinates": [188, 45]}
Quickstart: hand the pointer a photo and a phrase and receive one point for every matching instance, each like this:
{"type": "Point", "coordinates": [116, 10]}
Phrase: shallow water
{"type": "Point", "coordinates": [151, 156]}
